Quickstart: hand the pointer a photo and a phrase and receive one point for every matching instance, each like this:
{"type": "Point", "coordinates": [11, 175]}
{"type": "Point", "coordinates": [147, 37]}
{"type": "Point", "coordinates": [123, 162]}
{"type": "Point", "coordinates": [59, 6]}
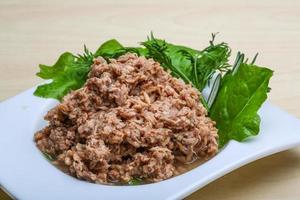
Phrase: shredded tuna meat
{"type": "Point", "coordinates": [130, 119]}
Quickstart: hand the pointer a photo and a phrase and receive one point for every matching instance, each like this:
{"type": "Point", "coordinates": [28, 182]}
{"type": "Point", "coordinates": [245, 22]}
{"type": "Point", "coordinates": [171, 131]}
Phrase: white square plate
{"type": "Point", "coordinates": [27, 175]}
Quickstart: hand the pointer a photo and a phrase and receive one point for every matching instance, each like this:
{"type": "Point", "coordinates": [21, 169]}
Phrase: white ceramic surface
{"type": "Point", "coordinates": [26, 174]}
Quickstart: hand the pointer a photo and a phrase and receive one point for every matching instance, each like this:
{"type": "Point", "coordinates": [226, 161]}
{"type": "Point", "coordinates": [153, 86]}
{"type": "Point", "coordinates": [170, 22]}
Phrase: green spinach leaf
{"type": "Point", "coordinates": [241, 95]}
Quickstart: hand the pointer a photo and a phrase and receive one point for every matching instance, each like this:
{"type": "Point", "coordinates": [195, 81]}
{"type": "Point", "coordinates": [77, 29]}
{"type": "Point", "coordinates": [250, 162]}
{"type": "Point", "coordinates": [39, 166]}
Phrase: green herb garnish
{"type": "Point", "coordinates": [68, 73]}
{"type": "Point", "coordinates": [238, 92]}
{"type": "Point", "coordinates": [48, 156]}
{"type": "Point", "coordinates": [240, 96]}
{"type": "Point", "coordinates": [135, 181]}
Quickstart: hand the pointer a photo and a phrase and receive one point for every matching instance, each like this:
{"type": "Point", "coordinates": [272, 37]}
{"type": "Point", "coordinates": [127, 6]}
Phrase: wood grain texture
{"type": "Point", "coordinates": [34, 32]}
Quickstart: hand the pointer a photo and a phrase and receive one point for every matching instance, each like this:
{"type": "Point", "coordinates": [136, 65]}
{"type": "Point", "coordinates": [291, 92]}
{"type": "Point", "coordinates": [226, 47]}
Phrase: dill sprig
{"type": "Point", "coordinates": [208, 61]}
{"type": "Point", "coordinates": [86, 58]}
{"type": "Point", "coordinates": [157, 51]}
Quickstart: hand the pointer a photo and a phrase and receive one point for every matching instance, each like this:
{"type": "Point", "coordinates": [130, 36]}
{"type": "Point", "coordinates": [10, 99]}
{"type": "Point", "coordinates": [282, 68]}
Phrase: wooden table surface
{"type": "Point", "coordinates": [33, 32]}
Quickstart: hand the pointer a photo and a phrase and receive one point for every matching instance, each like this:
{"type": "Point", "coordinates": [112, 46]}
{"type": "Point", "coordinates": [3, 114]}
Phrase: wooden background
{"type": "Point", "coordinates": [33, 32]}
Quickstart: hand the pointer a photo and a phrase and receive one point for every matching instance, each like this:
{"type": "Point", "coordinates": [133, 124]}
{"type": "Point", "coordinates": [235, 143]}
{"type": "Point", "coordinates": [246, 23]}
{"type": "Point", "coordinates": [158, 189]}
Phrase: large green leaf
{"type": "Point", "coordinates": [68, 73]}
{"type": "Point", "coordinates": [240, 97]}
